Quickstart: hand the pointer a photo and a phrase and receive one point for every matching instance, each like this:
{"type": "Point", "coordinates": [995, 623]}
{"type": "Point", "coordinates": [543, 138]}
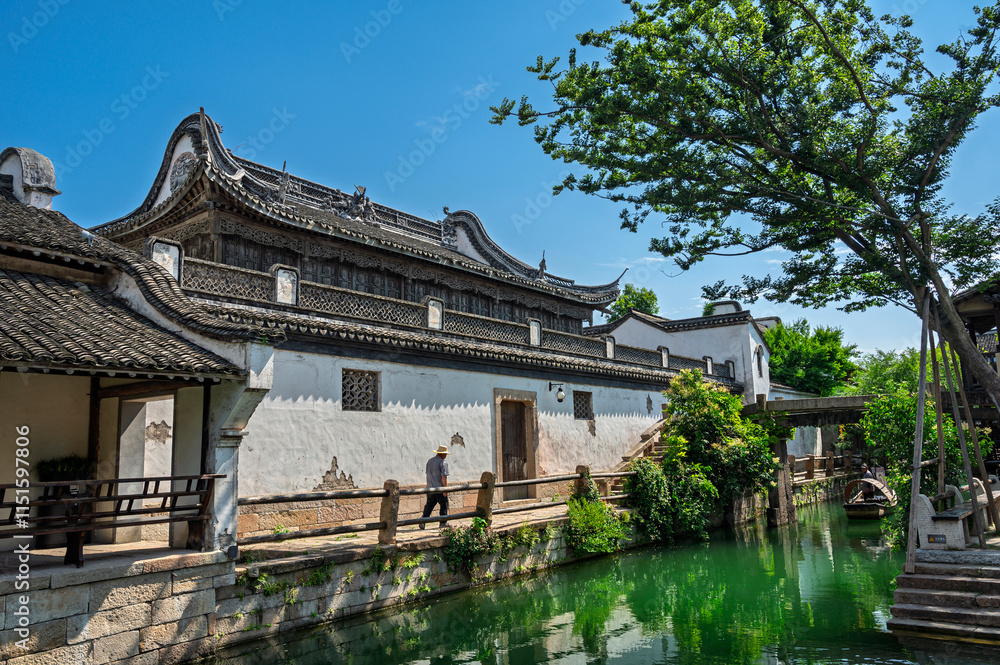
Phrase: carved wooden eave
{"type": "Point", "coordinates": [217, 177]}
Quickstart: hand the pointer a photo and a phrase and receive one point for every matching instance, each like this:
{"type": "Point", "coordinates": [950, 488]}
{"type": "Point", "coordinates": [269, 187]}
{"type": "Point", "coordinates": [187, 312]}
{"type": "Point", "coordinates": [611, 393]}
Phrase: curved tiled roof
{"type": "Point", "coordinates": [52, 234]}
{"type": "Point", "coordinates": [48, 322]}
{"type": "Point", "coordinates": [305, 208]}
{"type": "Point", "coordinates": [430, 343]}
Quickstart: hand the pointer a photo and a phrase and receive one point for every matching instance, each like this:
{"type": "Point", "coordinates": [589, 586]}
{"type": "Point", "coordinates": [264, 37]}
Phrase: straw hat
{"type": "Point", "coordinates": [442, 450]}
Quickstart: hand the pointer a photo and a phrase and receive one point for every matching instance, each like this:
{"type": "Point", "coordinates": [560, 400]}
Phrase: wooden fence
{"type": "Point", "coordinates": [388, 519]}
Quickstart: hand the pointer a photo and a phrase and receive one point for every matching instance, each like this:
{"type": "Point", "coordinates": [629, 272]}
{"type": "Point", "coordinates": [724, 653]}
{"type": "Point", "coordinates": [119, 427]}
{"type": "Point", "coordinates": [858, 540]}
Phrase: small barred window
{"type": "Point", "coordinates": [361, 391]}
{"type": "Point", "coordinates": [583, 405]}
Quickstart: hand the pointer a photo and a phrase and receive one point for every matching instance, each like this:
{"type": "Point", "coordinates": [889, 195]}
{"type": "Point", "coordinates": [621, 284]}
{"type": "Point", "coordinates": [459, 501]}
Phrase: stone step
{"type": "Point", "coordinates": [925, 628]}
{"type": "Point", "coordinates": [937, 598]}
{"type": "Point", "coordinates": [954, 615]}
{"type": "Point", "coordinates": [973, 585]}
{"type": "Point", "coordinates": [991, 572]}
{"type": "Point", "coordinates": [978, 558]}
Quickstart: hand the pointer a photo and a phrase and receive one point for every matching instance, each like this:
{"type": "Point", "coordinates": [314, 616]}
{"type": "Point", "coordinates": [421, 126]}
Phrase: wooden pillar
{"type": "Point", "coordinates": [780, 504]}
{"type": "Point", "coordinates": [389, 514]}
{"type": "Point", "coordinates": [94, 425]}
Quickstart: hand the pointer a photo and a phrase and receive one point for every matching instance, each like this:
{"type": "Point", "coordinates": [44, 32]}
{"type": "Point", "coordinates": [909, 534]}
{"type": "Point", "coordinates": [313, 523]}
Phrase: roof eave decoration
{"type": "Point", "coordinates": [274, 193]}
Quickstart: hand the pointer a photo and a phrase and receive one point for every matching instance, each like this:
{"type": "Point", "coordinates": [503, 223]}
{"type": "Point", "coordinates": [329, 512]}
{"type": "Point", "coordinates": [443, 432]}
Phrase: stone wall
{"type": "Point", "coordinates": [821, 490]}
{"type": "Point", "coordinates": [107, 612]}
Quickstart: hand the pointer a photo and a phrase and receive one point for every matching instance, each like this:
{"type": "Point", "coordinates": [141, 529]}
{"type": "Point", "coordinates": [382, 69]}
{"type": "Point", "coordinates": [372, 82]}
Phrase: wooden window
{"type": "Point", "coordinates": [360, 390]}
{"type": "Point", "coordinates": [583, 405]}
{"type": "Point", "coordinates": [393, 287]}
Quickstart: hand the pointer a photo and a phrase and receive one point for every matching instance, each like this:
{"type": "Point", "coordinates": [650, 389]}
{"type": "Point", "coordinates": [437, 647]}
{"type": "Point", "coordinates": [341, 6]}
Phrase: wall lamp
{"type": "Point", "coordinates": [560, 394]}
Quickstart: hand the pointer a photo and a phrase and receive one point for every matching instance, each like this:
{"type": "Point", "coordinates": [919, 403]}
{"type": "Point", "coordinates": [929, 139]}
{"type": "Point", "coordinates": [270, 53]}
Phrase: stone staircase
{"type": "Point", "coordinates": [649, 446]}
{"type": "Point", "coordinates": [951, 595]}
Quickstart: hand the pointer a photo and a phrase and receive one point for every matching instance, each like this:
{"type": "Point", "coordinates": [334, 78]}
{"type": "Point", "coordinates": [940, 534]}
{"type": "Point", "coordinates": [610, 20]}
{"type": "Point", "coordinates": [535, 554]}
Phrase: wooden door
{"type": "Point", "coordinates": [514, 447]}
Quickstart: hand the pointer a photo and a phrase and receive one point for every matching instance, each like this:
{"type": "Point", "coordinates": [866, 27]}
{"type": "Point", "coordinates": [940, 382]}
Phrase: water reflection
{"type": "Point", "coordinates": [817, 592]}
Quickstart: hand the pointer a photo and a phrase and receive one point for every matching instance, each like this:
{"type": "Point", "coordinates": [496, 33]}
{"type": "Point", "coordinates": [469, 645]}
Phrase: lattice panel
{"type": "Point", "coordinates": [227, 280]}
{"type": "Point", "coordinates": [479, 326]}
{"type": "Point", "coordinates": [680, 362]}
{"type": "Point", "coordinates": [578, 344]}
{"type": "Point", "coordinates": [361, 305]}
{"type": "Point", "coordinates": [583, 405]}
{"type": "Point", "coordinates": [721, 369]}
{"type": "Point", "coordinates": [632, 354]}
{"type": "Point", "coordinates": [360, 391]}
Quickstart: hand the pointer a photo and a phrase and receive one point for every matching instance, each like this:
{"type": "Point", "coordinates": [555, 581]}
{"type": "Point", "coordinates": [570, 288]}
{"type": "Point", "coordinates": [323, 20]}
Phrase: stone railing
{"type": "Point", "coordinates": [282, 286]}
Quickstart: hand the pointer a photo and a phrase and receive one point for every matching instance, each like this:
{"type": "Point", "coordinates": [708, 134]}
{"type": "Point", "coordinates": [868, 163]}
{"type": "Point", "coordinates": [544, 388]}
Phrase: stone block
{"type": "Point", "coordinates": [38, 582]}
{"type": "Point", "coordinates": [49, 604]}
{"type": "Point", "coordinates": [183, 606]}
{"type": "Point", "coordinates": [44, 636]}
{"type": "Point", "coordinates": [289, 519]}
{"type": "Point", "coordinates": [224, 580]}
{"type": "Point", "coordinates": [115, 647]}
{"type": "Point", "coordinates": [148, 658]}
{"type": "Point", "coordinates": [129, 591]}
{"type": "Point", "coordinates": [101, 624]}
{"type": "Point", "coordinates": [199, 572]}
{"type": "Point", "coordinates": [305, 609]}
{"type": "Point", "coordinates": [185, 651]}
{"type": "Point", "coordinates": [247, 524]}
{"type": "Point", "coordinates": [187, 586]}
{"type": "Point", "coordinates": [185, 630]}
{"type": "Point", "coordinates": [77, 653]}
{"type": "Point", "coordinates": [96, 571]}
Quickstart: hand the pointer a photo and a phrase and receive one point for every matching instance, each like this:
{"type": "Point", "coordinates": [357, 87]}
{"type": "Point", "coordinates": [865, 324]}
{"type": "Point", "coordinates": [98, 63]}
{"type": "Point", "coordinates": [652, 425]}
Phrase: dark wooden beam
{"type": "Point", "coordinates": [94, 426]}
{"type": "Point", "coordinates": [142, 388]}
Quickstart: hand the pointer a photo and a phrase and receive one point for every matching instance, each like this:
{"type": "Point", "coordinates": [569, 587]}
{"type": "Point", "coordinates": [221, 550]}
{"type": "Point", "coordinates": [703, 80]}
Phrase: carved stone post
{"type": "Point", "coordinates": [582, 484]}
{"type": "Point", "coordinates": [390, 513]}
{"type": "Point", "coordinates": [810, 465]}
{"type": "Point", "coordinates": [829, 463]}
{"type": "Point", "coordinates": [848, 460]}
{"type": "Point", "coordinates": [484, 502]}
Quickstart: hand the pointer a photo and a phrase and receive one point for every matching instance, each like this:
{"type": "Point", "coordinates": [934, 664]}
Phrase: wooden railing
{"type": "Point", "coordinates": [390, 493]}
{"type": "Point", "coordinates": [816, 466]}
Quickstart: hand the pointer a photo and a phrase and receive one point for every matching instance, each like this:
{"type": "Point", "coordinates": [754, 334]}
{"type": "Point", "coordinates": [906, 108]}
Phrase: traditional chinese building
{"type": "Point", "coordinates": [401, 333]}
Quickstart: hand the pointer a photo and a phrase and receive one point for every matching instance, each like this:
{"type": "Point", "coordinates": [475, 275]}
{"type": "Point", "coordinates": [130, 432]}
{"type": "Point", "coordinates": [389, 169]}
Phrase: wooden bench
{"type": "Point", "coordinates": [85, 506]}
{"type": "Point", "coordinates": [949, 529]}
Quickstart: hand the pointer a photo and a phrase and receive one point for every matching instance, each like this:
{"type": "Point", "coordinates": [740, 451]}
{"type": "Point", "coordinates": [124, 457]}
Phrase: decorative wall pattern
{"type": "Point", "coordinates": [360, 391]}
{"type": "Point", "coordinates": [227, 280]}
{"type": "Point", "coordinates": [478, 326]}
{"type": "Point", "coordinates": [360, 305]}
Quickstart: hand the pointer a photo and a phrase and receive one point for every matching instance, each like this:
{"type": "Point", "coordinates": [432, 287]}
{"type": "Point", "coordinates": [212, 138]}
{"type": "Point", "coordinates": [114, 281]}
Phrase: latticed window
{"type": "Point", "coordinates": [583, 405]}
{"type": "Point", "coordinates": [360, 391]}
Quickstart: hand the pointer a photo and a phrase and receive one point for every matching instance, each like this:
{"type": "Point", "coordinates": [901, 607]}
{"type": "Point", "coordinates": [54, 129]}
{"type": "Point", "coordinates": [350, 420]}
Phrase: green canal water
{"type": "Point", "coordinates": [815, 592]}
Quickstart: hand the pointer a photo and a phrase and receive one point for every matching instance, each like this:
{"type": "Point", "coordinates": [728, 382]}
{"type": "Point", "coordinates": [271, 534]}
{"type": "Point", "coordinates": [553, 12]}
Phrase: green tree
{"type": "Point", "coordinates": [632, 297]}
{"type": "Point", "coordinates": [807, 125]}
{"type": "Point", "coordinates": [815, 360]}
{"type": "Point", "coordinates": [891, 372]}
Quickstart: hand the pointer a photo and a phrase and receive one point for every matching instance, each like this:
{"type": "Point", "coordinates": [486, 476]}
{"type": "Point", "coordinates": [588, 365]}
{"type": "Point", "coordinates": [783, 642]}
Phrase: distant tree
{"type": "Point", "coordinates": [814, 360]}
{"type": "Point", "coordinates": [632, 297]}
{"type": "Point", "coordinates": [813, 126]}
{"type": "Point", "coordinates": [892, 372]}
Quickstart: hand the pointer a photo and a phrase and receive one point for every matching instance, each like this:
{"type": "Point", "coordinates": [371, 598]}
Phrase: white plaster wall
{"type": "Point", "coordinates": [761, 384]}
{"type": "Point", "coordinates": [466, 247]}
{"type": "Point", "coordinates": [183, 145]}
{"type": "Point", "coordinates": [56, 410]}
{"type": "Point", "coordinates": [300, 427]}
{"type": "Point", "coordinates": [805, 440]}
{"type": "Point", "coordinates": [722, 343]}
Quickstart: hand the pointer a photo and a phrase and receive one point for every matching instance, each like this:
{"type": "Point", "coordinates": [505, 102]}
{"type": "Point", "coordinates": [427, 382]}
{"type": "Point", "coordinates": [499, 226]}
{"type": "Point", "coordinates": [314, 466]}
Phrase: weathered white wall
{"type": "Point", "coordinates": [56, 411]}
{"type": "Point", "coordinates": [300, 427]}
{"type": "Point", "coordinates": [183, 145]}
{"type": "Point", "coordinates": [805, 440]}
{"type": "Point", "coordinates": [722, 343]}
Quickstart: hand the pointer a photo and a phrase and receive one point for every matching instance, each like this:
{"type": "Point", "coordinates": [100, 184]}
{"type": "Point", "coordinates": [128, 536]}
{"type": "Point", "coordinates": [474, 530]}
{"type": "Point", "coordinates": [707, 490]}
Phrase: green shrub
{"type": "Point", "coordinates": [467, 544]}
{"type": "Point", "coordinates": [595, 527]}
{"type": "Point", "coordinates": [670, 500]}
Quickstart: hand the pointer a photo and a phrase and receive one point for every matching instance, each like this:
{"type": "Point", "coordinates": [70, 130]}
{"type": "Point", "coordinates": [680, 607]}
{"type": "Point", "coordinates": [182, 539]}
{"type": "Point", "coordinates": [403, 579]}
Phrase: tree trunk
{"type": "Point", "coordinates": [953, 330]}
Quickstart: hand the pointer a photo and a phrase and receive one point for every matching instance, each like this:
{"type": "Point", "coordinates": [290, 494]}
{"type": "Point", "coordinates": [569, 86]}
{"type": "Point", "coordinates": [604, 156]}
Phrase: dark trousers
{"type": "Point", "coordinates": [432, 499]}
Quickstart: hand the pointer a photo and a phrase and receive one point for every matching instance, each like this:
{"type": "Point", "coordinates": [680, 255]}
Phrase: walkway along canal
{"type": "Point", "coordinates": [815, 592]}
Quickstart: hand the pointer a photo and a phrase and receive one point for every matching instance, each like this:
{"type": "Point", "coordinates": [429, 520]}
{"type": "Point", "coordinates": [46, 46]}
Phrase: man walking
{"type": "Point", "coordinates": [437, 476]}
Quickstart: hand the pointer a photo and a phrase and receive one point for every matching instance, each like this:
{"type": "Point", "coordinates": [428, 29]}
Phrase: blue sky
{"type": "Point", "coordinates": [350, 93]}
